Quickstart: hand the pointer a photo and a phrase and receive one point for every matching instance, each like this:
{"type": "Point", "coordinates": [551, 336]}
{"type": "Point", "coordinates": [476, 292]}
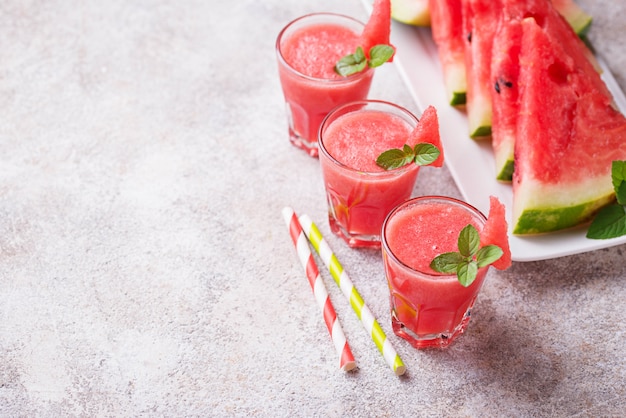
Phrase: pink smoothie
{"type": "Point", "coordinates": [426, 304]}
{"type": "Point", "coordinates": [314, 50]}
{"type": "Point", "coordinates": [308, 50]}
{"type": "Point", "coordinates": [361, 194]}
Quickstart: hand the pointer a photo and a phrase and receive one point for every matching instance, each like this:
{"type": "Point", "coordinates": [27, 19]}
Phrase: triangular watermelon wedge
{"type": "Point", "coordinates": [377, 30]}
{"type": "Point", "coordinates": [504, 94]}
{"type": "Point", "coordinates": [427, 130]}
{"type": "Point", "coordinates": [495, 232]}
{"type": "Point", "coordinates": [505, 67]}
{"type": "Point", "coordinates": [568, 135]}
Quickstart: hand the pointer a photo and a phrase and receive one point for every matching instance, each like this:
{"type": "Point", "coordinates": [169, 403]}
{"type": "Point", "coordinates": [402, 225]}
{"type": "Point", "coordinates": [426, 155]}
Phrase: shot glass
{"type": "Point", "coordinates": [310, 86]}
{"type": "Point", "coordinates": [428, 309]}
{"type": "Point", "coordinates": [358, 192]}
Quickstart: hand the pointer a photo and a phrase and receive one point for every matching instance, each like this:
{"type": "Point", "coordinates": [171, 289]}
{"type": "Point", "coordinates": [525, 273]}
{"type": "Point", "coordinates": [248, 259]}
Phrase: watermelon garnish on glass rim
{"type": "Point", "coordinates": [427, 130]}
{"type": "Point", "coordinates": [377, 30]}
{"type": "Point", "coordinates": [495, 232]}
{"type": "Point", "coordinates": [568, 135]}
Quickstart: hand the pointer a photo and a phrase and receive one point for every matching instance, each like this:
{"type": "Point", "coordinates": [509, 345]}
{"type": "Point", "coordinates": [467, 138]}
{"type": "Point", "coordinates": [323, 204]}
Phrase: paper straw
{"type": "Point", "coordinates": [346, 359]}
{"type": "Point", "coordinates": [358, 305]}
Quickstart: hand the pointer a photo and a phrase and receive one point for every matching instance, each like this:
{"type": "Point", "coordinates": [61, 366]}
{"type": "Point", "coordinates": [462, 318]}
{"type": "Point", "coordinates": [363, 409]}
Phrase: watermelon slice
{"type": "Point", "coordinates": [411, 12]}
{"type": "Point", "coordinates": [495, 232]}
{"type": "Point", "coordinates": [505, 67]}
{"type": "Point", "coordinates": [377, 30]}
{"type": "Point", "coordinates": [568, 134]}
{"type": "Point", "coordinates": [480, 19]}
{"type": "Point", "coordinates": [447, 30]}
{"type": "Point", "coordinates": [427, 130]}
{"type": "Point", "coordinates": [504, 92]}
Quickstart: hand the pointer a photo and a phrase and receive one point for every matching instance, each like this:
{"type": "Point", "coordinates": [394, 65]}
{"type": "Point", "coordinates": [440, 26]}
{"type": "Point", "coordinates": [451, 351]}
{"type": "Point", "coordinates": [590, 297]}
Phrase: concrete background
{"type": "Point", "coordinates": [145, 269]}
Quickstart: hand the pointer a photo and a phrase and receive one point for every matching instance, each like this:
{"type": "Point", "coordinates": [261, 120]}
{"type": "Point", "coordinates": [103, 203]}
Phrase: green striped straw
{"type": "Point", "coordinates": [351, 293]}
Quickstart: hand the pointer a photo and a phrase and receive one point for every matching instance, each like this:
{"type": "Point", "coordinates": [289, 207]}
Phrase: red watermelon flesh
{"type": "Point", "coordinates": [446, 21]}
{"type": "Point", "coordinates": [480, 19]}
{"type": "Point", "coordinates": [568, 134]}
{"type": "Point", "coordinates": [427, 130]}
{"type": "Point", "coordinates": [495, 232]}
{"type": "Point", "coordinates": [377, 30]}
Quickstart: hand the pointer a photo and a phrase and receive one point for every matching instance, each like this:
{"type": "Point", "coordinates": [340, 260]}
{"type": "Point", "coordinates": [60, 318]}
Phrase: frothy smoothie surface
{"type": "Point", "coordinates": [419, 233]}
{"type": "Point", "coordinates": [356, 139]}
{"type": "Point", "coordinates": [314, 50]}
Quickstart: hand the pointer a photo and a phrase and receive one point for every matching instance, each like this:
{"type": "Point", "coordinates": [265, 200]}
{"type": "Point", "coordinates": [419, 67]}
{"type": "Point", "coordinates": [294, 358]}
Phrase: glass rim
{"type": "Point", "coordinates": [418, 199]}
{"type": "Point", "coordinates": [385, 173]}
{"type": "Point", "coordinates": [330, 81]}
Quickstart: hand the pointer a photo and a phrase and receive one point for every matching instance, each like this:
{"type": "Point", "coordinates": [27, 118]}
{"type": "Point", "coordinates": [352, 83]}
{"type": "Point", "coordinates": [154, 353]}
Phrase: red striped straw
{"type": "Point", "coordinates": [346, 359]}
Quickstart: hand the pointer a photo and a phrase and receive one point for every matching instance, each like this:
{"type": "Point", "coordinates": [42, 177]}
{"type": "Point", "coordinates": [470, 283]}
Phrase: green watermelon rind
{"type": "Point", "coordinates": [558, 211]}
{"type": "Point", "coordinates": [458, 98]}
{"type": "Point", "coordinates": [479, 116]}
{"type": "Point", "coordinates": [504, 157]}
{"type": "Point", "coordinates": [482, 131]}
{"type": "Point", "coordinates": [455, 82]}
{"type": "Point", "coordinates": [582, 24]}
{"type": "Point", "coordinates": [543, 220]}
{"type": "Point", "coordinates": [578, 19]}
{"type": "Point", "coordinates": [505, 174]}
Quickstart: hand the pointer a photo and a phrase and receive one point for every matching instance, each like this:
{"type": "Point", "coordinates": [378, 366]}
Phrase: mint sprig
{"type": "Point", "coordinates": [354, 63]}
{"type": "Point", "coordinates": [422, 154]}
{"type": "Point", "coordinates": [610, 221]}
{"type": "Point", "coordinates": [470, 257]}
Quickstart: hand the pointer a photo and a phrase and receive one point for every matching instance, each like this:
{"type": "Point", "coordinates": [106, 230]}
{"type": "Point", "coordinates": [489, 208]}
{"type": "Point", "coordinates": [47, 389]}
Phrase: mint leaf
{"type": "Point", "coordinates": [426, 153]}
{"type": "Point", "coordinates": [610, 222]}
{"type": "Point", "coordinates": [395, 158]}
{"type": "Point", "coordinates": [447, 262]}
{"type": "Point", "coordinates": [351, 63]}
{"type": "Point", "coordinates": [355, 63]}
{"type": "Point", "coordinates": [380, 54]}
{"type": "Point", "coordinates": [423, 154]}
{"type": "Point", "coordinates": [470, 257]}
{"type": "Point", "coordinates": [488, 255]}
{"type": "Point", "coordinates": [468, 241]}
{"type": "Point", "coordinates": [618, 175]}
{"type": "Point", "coordinates": [467, 272]}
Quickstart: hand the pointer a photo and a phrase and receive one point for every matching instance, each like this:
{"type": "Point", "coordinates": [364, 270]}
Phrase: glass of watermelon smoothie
{"type": "Point", "coordinates": [428, 309]}
{"type": "Point", "coordinates": [359, 193]}
{"type": "Point", "coordinates": [307, 50]}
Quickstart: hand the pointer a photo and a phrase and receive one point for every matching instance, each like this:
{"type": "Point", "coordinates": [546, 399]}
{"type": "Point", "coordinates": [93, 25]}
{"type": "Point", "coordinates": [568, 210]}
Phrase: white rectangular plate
{"type": "Point", "coordinates": [471, 163]}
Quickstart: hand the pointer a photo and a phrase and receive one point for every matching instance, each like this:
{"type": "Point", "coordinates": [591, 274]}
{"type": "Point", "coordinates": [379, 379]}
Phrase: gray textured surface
{"type": "Point", "coordinates": [145, 269]}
